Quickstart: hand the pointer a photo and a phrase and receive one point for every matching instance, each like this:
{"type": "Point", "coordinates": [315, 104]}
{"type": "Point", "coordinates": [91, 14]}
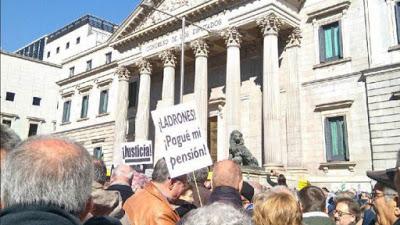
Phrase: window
{"type": "Point", "coordinates": [85, 106]}
{"type": "Point", "coordinates": [48, 54]}
{"type": "Point", "coordinates": [98, 153]}
{"type": "Point", "coordinates": [103, 101]}
{"type": "Point", "coordinates": [78, 40]}
{"type": "Point", "coordinates": [132, 94]}
{"type": "Point", "coordinates": [36, 101]}
{"type": "Point", "coordinates": [108, 57]}
{"type": "Point", "coordinates": [397, 12]}
{"type": "Point", "coordinates": [66, 111]}
{"type": "Point", "coordinates": [33, 127]}
{"type": "Point", "coordinates": [71, 71]}
{"type": "Point", "coordinates": [58, 50]}
{"type": "Point", "coordinates": [336, 139]}
{"type": "Point", "coordinates": [10, 96]}
{"type": "Point", "coordinates": [67, 45]}
{"type": "Point", "coordinates": [330, 42]}
{"type": "Point", "coordinates": [88, 65]}
{"type": "Point", "coordinates": [6, 122]}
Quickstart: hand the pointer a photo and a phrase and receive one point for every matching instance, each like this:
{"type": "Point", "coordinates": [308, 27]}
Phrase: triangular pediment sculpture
{"type": "Point", "coordinates": [144, 17]}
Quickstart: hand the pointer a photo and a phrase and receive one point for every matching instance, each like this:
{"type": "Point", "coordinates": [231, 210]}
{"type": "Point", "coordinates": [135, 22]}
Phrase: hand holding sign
{"type": "Point", "coordinates": [185, 148]}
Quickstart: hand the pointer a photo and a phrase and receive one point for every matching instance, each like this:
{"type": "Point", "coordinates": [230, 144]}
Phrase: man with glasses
{"type": "Point", "coordinates": [347, 211]}
{"type": "Point", "coordinates": [385, 204]}
{"type": "Point", "coordinates": [385, 198]}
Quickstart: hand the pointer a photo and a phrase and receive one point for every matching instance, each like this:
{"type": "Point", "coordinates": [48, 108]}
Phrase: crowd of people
{"type": "Point", "coordinates": [51, 180]}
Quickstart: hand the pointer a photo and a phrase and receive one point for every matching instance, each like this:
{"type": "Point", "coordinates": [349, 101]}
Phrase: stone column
{"type": "Point", "coordinates": [271, 104]}
{"type": "Point", "coordinates": [143, 110]}
{"type": "Point", "coordinates": [232, 88]}
{"type": "Point", "coordinates": [200, 48]}
{"type": "Point", "coordinates": [121, 113]}
{"type": "Point", "coordinates": [168, 87]}
{"type": "Point", "coordinates": [293, 101]}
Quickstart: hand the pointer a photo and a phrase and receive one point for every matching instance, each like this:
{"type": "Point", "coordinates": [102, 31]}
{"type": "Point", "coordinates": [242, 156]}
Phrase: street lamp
{"type": "Point", "coordinates": [149, 4]}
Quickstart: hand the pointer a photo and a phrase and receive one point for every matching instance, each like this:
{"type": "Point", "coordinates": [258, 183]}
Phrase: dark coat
{"type": "Point", "coordinates": [227, 195]}
{"type": "Point", "coordinates": [124, 190]}
{"type": "Point", "coordinates": [204, 195]}
{"type": "Point", "coordinates": [36, 215]}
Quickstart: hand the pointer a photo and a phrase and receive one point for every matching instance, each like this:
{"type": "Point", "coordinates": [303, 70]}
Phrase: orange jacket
{"type": "Point", "coordinates": [149, 207]}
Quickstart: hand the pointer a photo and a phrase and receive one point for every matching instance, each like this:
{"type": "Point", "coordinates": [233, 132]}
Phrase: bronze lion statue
{"type": "Point", "coordinates": [238, 152]}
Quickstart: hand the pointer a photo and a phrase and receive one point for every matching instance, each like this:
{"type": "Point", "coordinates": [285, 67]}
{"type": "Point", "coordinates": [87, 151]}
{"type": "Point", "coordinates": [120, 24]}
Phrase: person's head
{"type": "Point", "coordinates": [397, 177]}
{"type": "Point", "coordinates": [385, 204]}
{"type": "Point", "coordinates": [170, 188]}
{"type": "Point", "coordinates": [276, 208]}
{"type": "Point", "coordinates": [217, 213]}
{"type": "Point", "coordinates": [227, 173]}
{"type": "Point", "coordinates": [49, 171]}
{"type": "Point", "coordinates": [8, 140]}
{"type": "Point", "coordinates": [122, 174]}
{"type": "Point", "coordinates": [347, 211]}
{"type": "Point", "coordinates": [100, 171]}
{"type": "Point", "coordinates": [201, 176]}
{"type": "Point", "coordinates": [312, 199]}
{"type": "Point", "coordinates": [282, 180]}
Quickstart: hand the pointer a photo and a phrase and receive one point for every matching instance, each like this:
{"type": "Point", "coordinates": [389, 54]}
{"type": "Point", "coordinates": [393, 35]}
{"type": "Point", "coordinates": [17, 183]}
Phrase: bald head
{"type": "Point", "coordinates": [227, 173]}
{"type": "Point", "coordinates": [50, 170]}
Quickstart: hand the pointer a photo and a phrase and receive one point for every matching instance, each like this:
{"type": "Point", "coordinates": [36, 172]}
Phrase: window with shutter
{"type": "Point", "coordinates": [103, 101]}
{"type": "Point", "coordinates": [66, 111]}
{"type": "Point", "coordinates": [336, 139]}
{"type": "Point", "coordinates": [85, 106]}
{"type": "Point", "coordinates": [330, 42]}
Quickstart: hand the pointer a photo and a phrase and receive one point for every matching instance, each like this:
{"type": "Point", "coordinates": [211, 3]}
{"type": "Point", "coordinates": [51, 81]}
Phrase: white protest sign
{"type": "Point", "coordinates": [137, 153]}
{"type": "Point", "coordinates": [185, 147]}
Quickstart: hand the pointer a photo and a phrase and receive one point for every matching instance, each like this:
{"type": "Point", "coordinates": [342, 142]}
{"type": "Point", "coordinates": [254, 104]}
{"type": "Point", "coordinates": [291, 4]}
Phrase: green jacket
{"type": "Point", "coordinates": [317, 218]}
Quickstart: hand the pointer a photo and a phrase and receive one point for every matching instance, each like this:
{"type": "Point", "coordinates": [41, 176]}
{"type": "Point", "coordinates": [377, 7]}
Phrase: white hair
{"type": "Point", "coordinates": [217, 214]}
{"type": "Point", "coordinates": [389, 193]}
{"type": "Point", "coordinates": [33, 177]}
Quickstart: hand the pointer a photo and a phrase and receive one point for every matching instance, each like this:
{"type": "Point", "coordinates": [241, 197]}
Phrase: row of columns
{"type": "Point", "coordinates": [270, 26]}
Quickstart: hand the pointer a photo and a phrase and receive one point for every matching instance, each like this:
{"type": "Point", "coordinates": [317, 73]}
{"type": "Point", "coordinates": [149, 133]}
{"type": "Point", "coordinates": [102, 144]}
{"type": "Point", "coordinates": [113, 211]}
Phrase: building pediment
{"type": "Point", "coordinates": [145, 24]}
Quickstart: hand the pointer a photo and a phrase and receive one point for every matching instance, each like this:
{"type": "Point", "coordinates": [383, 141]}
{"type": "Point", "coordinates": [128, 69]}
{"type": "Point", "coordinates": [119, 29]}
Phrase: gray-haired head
{"type": "Point", "coordinates": [48, 170]}
{"type": "Point", "coordinates": [217, 214]}
{"type": "Point", "coordinates": [123, 171]}
{"type": "Point", "coordinates": [160, 172]}
{"type": "Point", "coordinates": [100, 171]}
{"type": "Point", "coordinates": [8, 138]}
{"type": "Point", "coordinates": [201, 176]}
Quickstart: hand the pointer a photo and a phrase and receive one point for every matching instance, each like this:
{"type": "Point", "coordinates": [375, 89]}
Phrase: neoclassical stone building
{"type": "Point", "coordinates": [286, 73]}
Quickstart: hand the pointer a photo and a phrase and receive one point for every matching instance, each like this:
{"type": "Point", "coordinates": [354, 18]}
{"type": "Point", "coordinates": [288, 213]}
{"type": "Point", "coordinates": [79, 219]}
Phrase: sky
{"type": "Point", "coordinates": [23, 21]}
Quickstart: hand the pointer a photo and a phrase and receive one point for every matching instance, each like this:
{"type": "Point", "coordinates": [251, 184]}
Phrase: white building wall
{"type": "Point", "coordinates": [89, 38]}
{"type": "Point", "coordinates": [27, 79]}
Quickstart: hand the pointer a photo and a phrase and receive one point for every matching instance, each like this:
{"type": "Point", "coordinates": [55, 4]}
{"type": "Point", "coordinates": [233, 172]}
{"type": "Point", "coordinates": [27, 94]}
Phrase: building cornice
{"type": "Point", "coordinates": [328, 79]}
{"type": "Point", "coordinates": [377, 70]}
{"type": "Point", "coordinates": [87, 73]}
{"type": "Point", "coordinates": [30, 59]}
{"type": "Point", "coordinates": [85, 127]}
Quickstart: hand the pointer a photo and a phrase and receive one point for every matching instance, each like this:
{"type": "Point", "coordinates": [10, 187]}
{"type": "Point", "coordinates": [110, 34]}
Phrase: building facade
{"type": "Point", "coordinates": [312, 85]}
{"type": "Point", "coordinates": [28, 94]}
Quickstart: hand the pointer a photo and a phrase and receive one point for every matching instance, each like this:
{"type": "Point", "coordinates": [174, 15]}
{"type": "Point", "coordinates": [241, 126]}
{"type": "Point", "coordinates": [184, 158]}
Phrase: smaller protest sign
{"type": "Point", "coordinates": [137, 153]}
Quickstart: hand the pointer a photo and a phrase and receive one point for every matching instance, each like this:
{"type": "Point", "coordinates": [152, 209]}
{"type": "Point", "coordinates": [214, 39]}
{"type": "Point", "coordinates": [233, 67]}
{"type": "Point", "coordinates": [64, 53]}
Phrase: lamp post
{"type": "Point", "coordinates": [149, 4]}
